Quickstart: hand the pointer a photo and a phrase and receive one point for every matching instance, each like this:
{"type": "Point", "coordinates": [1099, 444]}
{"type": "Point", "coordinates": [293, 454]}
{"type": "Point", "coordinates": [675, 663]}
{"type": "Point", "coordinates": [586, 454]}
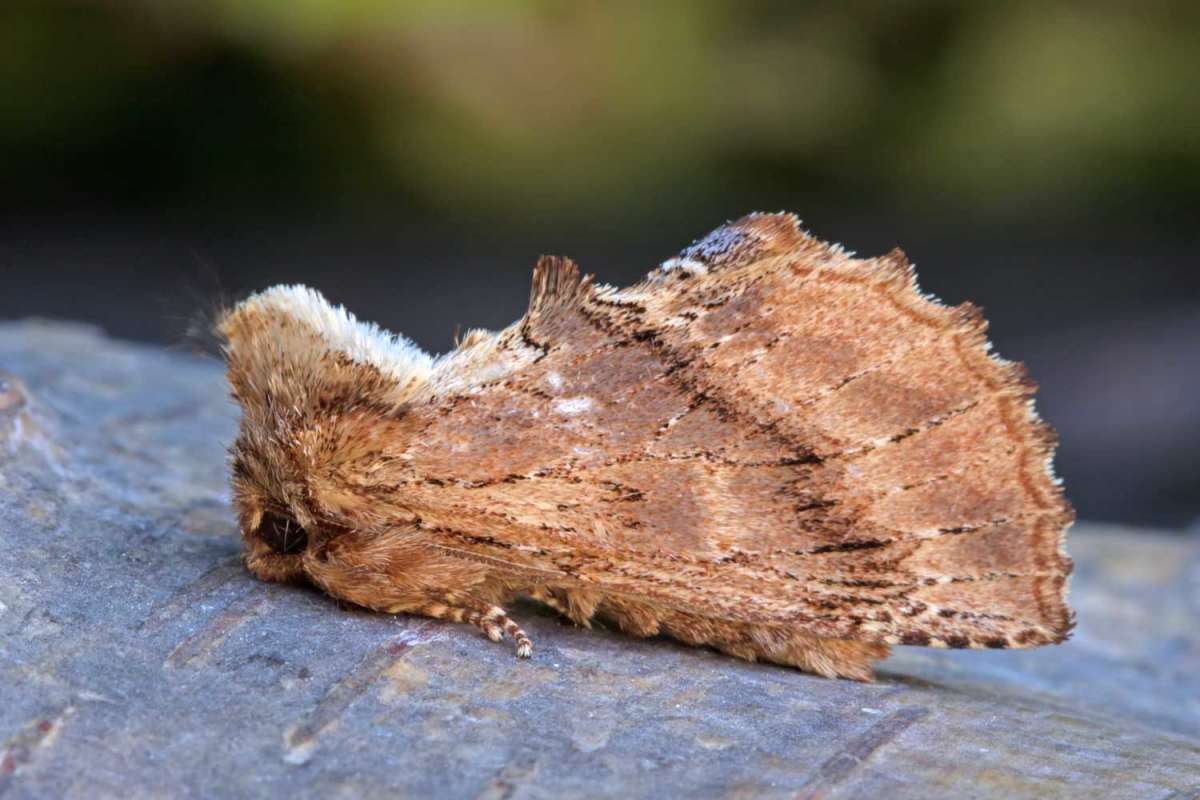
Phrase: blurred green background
{"type": "Point", "coordinates": [599, 108]}
{"type": "Point", "coordinates": [413, 158]}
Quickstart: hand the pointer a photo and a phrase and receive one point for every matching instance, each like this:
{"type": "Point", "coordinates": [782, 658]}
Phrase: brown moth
{"type": "Point", "coordinates": [766, 446]}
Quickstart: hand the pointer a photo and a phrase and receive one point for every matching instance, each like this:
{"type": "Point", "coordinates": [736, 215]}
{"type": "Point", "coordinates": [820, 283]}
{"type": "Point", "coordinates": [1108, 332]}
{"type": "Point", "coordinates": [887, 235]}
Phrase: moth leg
{"type": "Point", "coordinates": [495, 619]}
{"type": "Point", "coordinates": [492, 620]}
{"type": "Point", "coordinates": [572, 609]}
{"type": "Point", "coordinates": [548, 598]}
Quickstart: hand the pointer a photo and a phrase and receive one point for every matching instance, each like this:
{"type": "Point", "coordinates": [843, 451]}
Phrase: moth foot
{"type": "Point", "coordinates": [496, 623]}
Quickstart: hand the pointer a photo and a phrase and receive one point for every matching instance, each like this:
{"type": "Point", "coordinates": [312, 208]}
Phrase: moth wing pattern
{"type": "Point", "coordinates": [765, 430]}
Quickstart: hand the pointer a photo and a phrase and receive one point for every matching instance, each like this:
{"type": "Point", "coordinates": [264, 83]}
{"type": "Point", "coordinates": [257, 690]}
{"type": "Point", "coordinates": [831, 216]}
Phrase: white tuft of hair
{"type": "Point", "coordinates": [364, 342]}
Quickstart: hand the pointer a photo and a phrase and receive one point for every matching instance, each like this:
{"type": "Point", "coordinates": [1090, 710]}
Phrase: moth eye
{"type": "Point", "coordinates": [282, 534]}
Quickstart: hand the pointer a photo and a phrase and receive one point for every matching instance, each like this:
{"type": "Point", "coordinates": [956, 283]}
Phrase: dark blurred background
{"type": "Point", "coordinates": [412, 159]}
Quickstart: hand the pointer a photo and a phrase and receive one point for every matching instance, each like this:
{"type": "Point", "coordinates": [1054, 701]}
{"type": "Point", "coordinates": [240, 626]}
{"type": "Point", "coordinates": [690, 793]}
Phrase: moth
{"type": "Point", "coordinates": [767, 446]}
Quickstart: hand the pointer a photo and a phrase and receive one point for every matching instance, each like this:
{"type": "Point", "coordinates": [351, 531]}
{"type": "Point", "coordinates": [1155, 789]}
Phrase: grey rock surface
{"type": "Point", "coordinates": [139, 659]}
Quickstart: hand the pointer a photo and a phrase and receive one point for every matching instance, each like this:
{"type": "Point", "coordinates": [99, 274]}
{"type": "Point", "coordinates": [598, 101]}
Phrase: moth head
{"type": "Point", "coordinates": [310, 379]}
{"type": "Point", "coordinates": [275, 521]}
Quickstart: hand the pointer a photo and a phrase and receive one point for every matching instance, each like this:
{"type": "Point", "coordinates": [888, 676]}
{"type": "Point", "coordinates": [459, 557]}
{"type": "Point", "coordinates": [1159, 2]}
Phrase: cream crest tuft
{"type": "Point", "coordinates": [364, 342]}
